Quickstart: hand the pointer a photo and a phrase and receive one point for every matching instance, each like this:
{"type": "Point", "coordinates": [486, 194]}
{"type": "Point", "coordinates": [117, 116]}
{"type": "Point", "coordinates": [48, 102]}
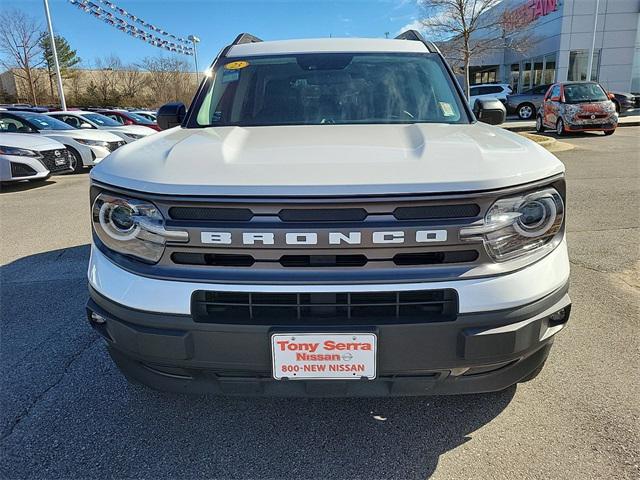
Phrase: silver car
{"type": "Point", "coordinates": [527, 103]}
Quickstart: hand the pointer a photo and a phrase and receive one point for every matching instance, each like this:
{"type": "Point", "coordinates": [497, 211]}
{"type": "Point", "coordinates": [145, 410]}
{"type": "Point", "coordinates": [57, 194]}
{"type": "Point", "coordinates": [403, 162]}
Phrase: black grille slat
{"type": "Point", "coordinates": [211, 214]}
{"type": "Point", "coordinates": [436, 258]}
{"type": "Point", "coordinates": [322, 215]}
{"type": "Point", "coordinates": [326, 308]}
{"type": "Point", "coordinates": [323, 260]}
{"type": "Point", "coordinates": [429, 212]}
{"type": "Point", "coordinates": [212, 259]}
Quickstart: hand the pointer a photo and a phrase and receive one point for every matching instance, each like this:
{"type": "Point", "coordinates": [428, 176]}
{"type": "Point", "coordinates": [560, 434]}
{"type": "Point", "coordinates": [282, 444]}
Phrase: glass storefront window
{"type": "Point", "coordinates": [549, 69]}
{"type": "Point", "coordinates": [526, 76]}
{"type": "Point", "coordinates": [514, 77]}
{"type": "Point", "coordinates": [537, 72]}
{"type": "Point", "coordinates": [579, 63]}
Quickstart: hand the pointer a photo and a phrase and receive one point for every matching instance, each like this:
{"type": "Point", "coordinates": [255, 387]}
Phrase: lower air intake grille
{"type": "Point", "coordinates": [319, 309]}
{"type": "Point", "coordinates": [21, 170]}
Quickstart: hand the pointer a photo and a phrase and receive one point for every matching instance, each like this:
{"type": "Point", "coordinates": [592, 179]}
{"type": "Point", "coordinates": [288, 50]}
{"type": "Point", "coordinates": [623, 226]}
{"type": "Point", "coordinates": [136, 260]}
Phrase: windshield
{"type": "Point", "coordinates": [584, 92]}
{"type": "Point", "coordinates": [101, 120]}
{"type": "Point", "coordinates": [330, 88]}
{"type": "Point", "coordinates": [44, 122]}
{"type": "Point", "coordinates": [139, 118]}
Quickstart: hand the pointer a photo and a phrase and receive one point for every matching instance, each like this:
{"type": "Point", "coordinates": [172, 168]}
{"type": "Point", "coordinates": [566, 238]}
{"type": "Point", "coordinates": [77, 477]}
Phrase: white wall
{"type": "Point", "coordinates": [616, 34]}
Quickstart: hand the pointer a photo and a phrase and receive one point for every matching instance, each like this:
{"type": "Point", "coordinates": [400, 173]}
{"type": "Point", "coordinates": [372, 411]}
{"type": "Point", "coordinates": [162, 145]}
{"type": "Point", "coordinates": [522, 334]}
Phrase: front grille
{"type": "Point", "coordinates": [589, 116]}
{"type": "Point", "coordinates": [345, 245]}
{"type": "Point", "coordinates": [326, 308]}
{"type": "Point", "coordinates": [55, 162]}
{"type": "Point", "coordinates": [111, 146]}
{"type": "Point", "coordinates": [21, 170]}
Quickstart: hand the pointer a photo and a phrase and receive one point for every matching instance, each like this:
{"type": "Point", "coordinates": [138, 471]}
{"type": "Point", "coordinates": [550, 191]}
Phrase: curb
{"type": "Point", "coordinates": [531, 128]}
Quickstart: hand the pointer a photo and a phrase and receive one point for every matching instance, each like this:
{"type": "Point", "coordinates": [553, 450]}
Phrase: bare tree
{"type": "Point", "coordinates": [104, 89]}
{"type": "Point", "coordinates": [132, 83]}
{"type": "Point", "coordinates": [20, 47]}
{"type": "Point", "coordinates": [170, 79]}
{"type": "Point", "coordinates": [469, 29]}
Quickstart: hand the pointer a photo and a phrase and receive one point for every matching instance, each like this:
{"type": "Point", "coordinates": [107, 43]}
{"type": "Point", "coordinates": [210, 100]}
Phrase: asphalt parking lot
{"type": "Point", "coordinates": [68, 413]}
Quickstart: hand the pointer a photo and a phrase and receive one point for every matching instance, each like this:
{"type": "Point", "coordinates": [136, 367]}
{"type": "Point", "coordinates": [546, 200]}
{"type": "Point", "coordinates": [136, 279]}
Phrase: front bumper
{"type": "Point", "coordinates": [477, 352]}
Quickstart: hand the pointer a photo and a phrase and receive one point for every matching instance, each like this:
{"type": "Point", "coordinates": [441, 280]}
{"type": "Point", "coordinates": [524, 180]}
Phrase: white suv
{"type": "Point", "coordinates": [489, 91]}
{"type": "Point", "coordinates": [329, 218]}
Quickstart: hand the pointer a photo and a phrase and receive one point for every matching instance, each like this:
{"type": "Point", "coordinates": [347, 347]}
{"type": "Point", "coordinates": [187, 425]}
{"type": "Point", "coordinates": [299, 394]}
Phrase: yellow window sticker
{"type": "Point", "coordinates": [447, 111]}
{"type": "Point", "coordinates": [236, 65]}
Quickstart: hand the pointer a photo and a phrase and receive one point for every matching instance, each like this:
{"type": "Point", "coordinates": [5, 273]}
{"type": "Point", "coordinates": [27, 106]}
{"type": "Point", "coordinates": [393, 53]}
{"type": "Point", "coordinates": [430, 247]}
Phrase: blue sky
{"type": "Point", "coordinates": [217, 22]}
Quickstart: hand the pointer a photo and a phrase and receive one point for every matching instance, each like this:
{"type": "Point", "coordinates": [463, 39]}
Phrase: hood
{"type": "Point", "coordinates": [30, 141]}
{"type": "Point", "coordinates": [100, 135]}
{"type": "Point", "coordinates": [327, 160]}
{"type": "Point", "coordinates": [134, 129]}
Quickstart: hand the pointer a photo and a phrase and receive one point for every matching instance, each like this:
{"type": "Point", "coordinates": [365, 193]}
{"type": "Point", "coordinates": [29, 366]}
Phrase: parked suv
{"type": "Point", "coordinates": [488, 91]}
{"type": "Point", "coordinates": [329, 218]}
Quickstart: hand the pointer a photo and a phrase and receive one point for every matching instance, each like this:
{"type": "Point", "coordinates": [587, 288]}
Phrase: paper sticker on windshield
{"type": "Point", "coordinates": [236, 65]}
{"type": "Point", "coordinates": [447, 110]}
{"type": "Point", "coordinates": [230, 76]}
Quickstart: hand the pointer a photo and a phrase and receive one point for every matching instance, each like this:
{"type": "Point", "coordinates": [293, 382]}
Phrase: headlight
{"type": "Point", "coordinates": [520, 225]}
{"type": "Point", "coordinates": [135, 136]}
{"type": "Point", "coordinates": [132, 227]}
{"type": "Point", "coordinates": [93, 143]}
{"type": "Point", "coordinates": [19, 152]}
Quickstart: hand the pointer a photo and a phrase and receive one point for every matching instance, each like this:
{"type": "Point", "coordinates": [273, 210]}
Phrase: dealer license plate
{"type": "Point", "coordinates": [324, 356]}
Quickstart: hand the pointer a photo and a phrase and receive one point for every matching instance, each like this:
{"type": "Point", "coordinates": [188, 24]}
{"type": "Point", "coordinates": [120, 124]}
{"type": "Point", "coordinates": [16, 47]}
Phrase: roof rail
{"type": "Point", "coordinates": [245, 38]}
{"type": "Point", "coordinates": [414, 35]}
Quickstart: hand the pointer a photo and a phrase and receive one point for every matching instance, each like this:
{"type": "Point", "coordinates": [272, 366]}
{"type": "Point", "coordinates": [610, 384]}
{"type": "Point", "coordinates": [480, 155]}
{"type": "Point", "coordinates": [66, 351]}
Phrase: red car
{"type": "Point", "coordinates": [577, 107]}
{"type": "Point", "coordinates": [129, 118]}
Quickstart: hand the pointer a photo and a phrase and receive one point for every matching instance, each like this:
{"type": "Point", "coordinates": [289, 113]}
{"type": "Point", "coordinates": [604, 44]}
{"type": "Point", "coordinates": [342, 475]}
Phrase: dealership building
{"type": "Point", "coordinates": [561, 37]}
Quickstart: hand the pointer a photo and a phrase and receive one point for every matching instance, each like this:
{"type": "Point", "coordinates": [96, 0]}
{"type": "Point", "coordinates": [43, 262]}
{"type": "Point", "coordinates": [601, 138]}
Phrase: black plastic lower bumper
{"type": "Point", "coordinates": [477, 352]}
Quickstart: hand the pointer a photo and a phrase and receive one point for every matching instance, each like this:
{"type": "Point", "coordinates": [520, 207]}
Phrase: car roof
{"type": "Point", "coordinates": [72, 112]}
{"type": "Point", "coordinates": [328, 45]}
{"type": "Point", "coordinates": [576, 82]}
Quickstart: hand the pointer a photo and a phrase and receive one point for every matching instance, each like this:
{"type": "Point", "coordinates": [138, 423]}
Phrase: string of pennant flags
{"type": "Point", "coordinates": [176, 44]}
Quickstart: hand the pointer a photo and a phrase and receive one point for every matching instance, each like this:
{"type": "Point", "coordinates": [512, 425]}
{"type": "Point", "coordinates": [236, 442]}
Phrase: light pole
{"type": "Point", "coordinates": [52, 39]}
{"type": "Point", "coordinates": [593, 41]}
{"type": "Point", "coordinates": [195, 40]}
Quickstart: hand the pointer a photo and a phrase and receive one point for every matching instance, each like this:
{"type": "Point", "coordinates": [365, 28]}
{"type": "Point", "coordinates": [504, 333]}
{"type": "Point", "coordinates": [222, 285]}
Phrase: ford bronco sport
{"type": "Point", "coordinates": [329, 218]}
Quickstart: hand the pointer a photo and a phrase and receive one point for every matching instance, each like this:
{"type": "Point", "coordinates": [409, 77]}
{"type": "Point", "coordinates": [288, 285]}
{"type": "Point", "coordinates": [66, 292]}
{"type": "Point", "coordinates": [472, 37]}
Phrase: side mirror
{"type": "Point", "coordinates": [128, 122]}
{"type": "Point", "coordinates": [490, 110]}
{"type": "Point", "coordinates": [611, 96]}
{"type": "Point", "coordinates": [86, 125]}
{"type": "Point", "coordinates": [171, 115]}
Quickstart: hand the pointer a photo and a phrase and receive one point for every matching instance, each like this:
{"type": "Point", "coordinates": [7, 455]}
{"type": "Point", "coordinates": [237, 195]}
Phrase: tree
{"type": "Point", "coordinates": [469, 29]}
{"type": "Point", "coordinates": [103, 89]}
{"type": "Point", "coordinates": [132, 83]}
{"type": "Point", "coordinates": [170, 79]}
{"type": "Point", "coordinates": [67, 58]}
{"type": "Point", "coordinates": [20, 46]}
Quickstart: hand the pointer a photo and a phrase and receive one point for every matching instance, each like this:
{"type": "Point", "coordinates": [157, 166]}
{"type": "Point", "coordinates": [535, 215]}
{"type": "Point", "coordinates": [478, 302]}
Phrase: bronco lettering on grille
{"type": "Point", "coordinates": [332, 238]}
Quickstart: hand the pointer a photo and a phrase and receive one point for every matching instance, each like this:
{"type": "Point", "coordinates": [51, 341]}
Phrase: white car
{"type": "Point", "coordinates": [86, 147]}
{"type": "Point", "coordinates": [93, 120]}
{"type": "Point", "coordinates": [25, 157]}
{"type": "Point", "coordinates": [488, 91]}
